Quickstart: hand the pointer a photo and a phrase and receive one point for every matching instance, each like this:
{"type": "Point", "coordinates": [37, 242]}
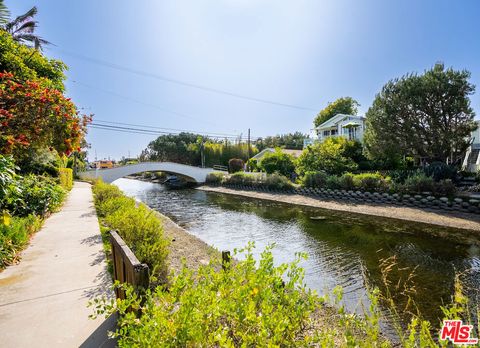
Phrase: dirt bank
{"type": "Point", "coordinates": [458, 220]}
{"type": "Point", "coordinates": [185, 247]}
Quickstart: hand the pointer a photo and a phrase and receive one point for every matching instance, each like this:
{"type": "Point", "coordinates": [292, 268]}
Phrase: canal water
{"type": "Point", "coordinates": [344, 250]}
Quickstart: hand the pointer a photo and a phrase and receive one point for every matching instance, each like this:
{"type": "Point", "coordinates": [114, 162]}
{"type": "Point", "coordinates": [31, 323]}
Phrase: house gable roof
{"type": "Point", "coordinates": [336, 119]}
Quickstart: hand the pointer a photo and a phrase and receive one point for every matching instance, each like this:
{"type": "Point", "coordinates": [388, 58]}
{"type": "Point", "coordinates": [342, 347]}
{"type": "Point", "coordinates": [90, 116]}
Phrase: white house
{"type": "Point", "coordinates": [351, 127]}
{"type": "Point", "coordinates": [471, 162]}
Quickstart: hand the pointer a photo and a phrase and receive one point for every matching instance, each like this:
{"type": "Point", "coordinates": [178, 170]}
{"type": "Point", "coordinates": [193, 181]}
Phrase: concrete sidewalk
{"type": "Point", "coordinates": [43, 299]}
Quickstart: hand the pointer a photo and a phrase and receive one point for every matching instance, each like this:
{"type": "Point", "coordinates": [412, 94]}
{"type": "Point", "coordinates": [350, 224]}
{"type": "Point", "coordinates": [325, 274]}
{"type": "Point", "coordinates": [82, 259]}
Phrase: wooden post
{"type": "Point", "coordinates": [126, 267]}
{"type": "Point", "coordinates": [226, 259]}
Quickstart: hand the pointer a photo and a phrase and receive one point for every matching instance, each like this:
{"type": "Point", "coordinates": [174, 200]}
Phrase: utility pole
{"type": "Point", "coordinates": [248, 153]}
{"type": "Point", "coordinates": [202, 153]}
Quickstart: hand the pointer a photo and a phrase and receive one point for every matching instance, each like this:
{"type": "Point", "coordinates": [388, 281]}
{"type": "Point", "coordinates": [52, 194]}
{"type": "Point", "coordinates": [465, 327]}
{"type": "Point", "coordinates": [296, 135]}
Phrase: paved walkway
{"type": "Point", "coordinates": [43, 299]}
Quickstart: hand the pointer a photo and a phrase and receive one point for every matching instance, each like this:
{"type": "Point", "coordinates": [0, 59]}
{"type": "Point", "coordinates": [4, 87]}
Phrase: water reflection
{"type": "Point", "coordinates": [343, 249]}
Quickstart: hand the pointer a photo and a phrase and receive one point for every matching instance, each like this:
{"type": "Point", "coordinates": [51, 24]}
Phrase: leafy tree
{"type": "Point", "coordinates": [423, 116]}
{"type": "Point", "coordinates": [181, 148]}
{"type": "Point", "coordinates": [329, 156]}
{"type": "Point", "coordinates": [33, 116]}
{"type": "Point", "coordinates": [23, 28]}
{"type": "Point", "coordinates": [278, 162]}
{"type": "Point", "coordinates": [344, 105]}
{"type": "Point", "coordinates": [29, 64]}
{"type": "Point", "coordinates": [186, 148]}
{"type": "Point", "coordinates": [292, 141]}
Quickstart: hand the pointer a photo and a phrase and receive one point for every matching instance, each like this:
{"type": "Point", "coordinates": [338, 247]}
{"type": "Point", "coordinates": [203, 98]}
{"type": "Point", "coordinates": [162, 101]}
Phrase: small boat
{"type": "Point", "coordinates": [318, 218]}
{"type": "Point", "coordinates": [173, 182]}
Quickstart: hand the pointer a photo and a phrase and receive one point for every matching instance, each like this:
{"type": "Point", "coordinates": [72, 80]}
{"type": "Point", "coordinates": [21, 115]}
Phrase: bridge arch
{"type": "Point", "coordinates": [197, 174]}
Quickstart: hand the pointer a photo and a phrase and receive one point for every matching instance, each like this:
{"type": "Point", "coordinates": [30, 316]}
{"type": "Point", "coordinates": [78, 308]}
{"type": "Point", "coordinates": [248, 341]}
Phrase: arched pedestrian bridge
{"type": "Point", "coordinates": [195, 174]}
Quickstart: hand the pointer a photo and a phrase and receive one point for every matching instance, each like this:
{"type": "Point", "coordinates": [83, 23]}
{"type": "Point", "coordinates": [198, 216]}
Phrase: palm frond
{"type": "Point", "coordinates": [22, 18]}
{"type": "Point", "coordinates": [26, 27]}
{"type": "Point", "coordinates": [36, 41]}
{"type": "Point", "coordinates": [4, 13]}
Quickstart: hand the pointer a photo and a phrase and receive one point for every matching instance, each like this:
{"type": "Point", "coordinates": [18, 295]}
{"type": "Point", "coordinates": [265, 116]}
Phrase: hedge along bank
{"type": "Point", "coordinates": [138, 225]}
{"type": "Point", "coordinates": [277, 183]}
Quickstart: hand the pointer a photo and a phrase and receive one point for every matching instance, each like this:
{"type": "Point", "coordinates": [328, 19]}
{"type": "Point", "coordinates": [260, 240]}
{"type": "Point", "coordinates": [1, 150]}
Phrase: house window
{"type": "Point", "coordinates": [326, 133]}
{"type": "Point", "coordinates": [334, 132]}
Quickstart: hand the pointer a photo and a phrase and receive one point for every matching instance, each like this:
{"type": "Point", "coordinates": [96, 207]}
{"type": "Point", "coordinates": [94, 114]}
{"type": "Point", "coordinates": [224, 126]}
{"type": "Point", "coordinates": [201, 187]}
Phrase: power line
{"type": "Point", "coordinates": [178, 82]}
{"type": "Point", "coordinates": [121, 96]}
{"type": "Point", "coordinates": [154, 127]}
{"type": "Point", "coordinates": [148, 131]}
{"type": "Point", "coordinates": [154, 132]}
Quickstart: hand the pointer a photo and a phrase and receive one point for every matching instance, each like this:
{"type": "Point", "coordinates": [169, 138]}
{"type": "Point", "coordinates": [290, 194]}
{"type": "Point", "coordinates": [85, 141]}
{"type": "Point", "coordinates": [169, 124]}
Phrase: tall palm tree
{"type": "Point", "coordinates": [23, 28]}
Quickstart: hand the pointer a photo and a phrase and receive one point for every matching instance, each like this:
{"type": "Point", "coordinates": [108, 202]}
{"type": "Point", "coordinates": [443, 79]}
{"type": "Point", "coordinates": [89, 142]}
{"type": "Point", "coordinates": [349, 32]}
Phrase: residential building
{"type": "Point", "coordinates": [351, 127]}
{"type": "Point", "coordinates": [471, 162]}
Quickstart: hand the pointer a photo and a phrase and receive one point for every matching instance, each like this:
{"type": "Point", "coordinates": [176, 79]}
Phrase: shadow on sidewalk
{"type": "Point", "coordinates": [99, 338]}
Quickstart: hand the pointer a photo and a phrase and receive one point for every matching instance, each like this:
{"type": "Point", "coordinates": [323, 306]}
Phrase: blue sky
{"type": "Point", "coordinates": [303, 53]}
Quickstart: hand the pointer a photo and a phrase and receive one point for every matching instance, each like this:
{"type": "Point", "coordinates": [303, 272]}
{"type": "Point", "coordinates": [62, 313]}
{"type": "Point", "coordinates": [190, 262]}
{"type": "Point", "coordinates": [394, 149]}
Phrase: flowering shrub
{"type": "Point", "coordinates": [33, 115]}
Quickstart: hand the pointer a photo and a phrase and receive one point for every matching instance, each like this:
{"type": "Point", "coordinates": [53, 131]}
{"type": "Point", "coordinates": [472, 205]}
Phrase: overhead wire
{"type": "Point", "coordinates": [157, 132]}
{"type": "Point", "coordinates": [178, 82]}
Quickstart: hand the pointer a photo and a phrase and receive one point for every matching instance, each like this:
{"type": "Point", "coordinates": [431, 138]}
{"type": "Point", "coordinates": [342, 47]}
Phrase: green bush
{"type": "Point", "coordinates": [235, 165]}
{"type": "Point", "coordinates": [446, 188]}
{"type": "Point", "coordinates": [277, 162]}
{"type": "Point", "coordinates": [105, 191]}
{"type": "Point", "coordinates": [139, 227]}
{"type": "Point", "coordinates": [272, 181]}
{"type": "Point", "coordinates": [9, 190]}
{"type": "Point", "coordinates": [333, 182]}
{"type": "Point", "coordinates": [252, 165]}
{"type": "Point", "coordinates": [36, 195]}
{"type": "Point", "coordinates": [330, 156]}
{"type": "Point", "coordinates": [371, 182]}
{"type": "Point", "coordinates": [66, 178]}
{"type": "Point", "coordinates": [109, 206]}
{"type": "Point", "coordinates": [314, 179]}
{"type": "Point", "coordinates": [239, 178]}
{"type": "Point", "coordinates": [441, 171]}
{"type": "Point", "coordinates": [258, 304]}
{"type": "Point", "coordinates": [418, 183]}
{"type": "Point", "coordinates": [14, 236]}
{"type": "Point", "coordinates": [215, 178]}
{"type": "Point", "coordinates": [250, 304]}
{"type": "Point", "coordinates": [347, 181]}
{"type": "Point", "coordinates": [277, 181]}
{"type": "Point", "coordinates": [28, 198]}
